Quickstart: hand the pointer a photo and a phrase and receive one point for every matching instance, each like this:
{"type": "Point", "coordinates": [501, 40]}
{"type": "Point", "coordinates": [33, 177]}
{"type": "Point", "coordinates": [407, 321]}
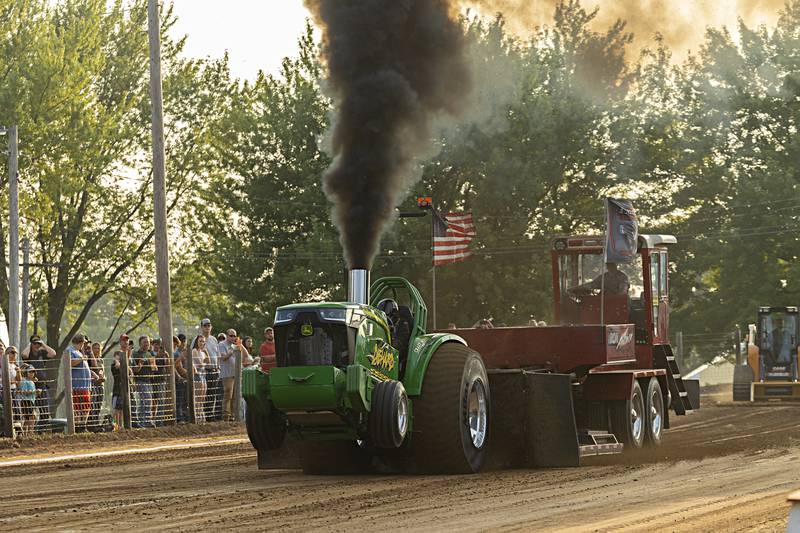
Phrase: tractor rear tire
{"type": "Point", "coordinates": [654, 413]}
{"type": "Point", "coordinates": [388, 418]}
{"type": "Point", "coordinates": [333, 457]}
{"type": "Point", "coordinates": [628, 418]}
{"type": "Point", "coordinates": [265, 432]}
{"type": "Point", "coordinates": [452, 414]}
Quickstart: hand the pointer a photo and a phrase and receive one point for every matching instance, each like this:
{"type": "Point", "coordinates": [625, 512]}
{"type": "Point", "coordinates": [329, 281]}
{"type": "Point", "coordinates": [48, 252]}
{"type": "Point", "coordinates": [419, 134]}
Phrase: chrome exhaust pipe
{"type": "Point", "coordinates": [358, 286]}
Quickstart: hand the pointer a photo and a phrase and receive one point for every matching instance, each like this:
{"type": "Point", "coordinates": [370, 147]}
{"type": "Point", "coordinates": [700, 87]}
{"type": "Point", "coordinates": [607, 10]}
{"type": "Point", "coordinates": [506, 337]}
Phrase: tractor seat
{"type": "Point", "coordinates": [403, 327]}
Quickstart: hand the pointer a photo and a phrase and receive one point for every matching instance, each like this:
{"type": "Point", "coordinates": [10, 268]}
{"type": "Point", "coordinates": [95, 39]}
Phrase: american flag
{"type": "Point", "coordinates": [452, 234]}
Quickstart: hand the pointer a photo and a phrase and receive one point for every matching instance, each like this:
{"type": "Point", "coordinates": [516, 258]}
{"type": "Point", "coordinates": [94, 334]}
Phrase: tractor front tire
{"type": "Point", "coordinates": [333, 457]}
{"type": "Point", "coordinates": [452, 414]}
{"type": "Point", "coordinates": [628, 420]}
{"type": "Point", "coordinates": [266, 432]}
{"type": "Point", "coordinates": [388, 419]}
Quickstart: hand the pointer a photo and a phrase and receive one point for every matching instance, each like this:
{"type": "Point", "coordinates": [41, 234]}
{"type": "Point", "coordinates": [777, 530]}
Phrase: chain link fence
{"type": "Point", "coordinates": [42, 393]}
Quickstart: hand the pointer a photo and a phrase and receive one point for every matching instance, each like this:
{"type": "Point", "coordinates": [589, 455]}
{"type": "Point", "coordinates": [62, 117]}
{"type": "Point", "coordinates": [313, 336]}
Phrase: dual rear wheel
{"type": "Point", "coordinates": [640, 419]}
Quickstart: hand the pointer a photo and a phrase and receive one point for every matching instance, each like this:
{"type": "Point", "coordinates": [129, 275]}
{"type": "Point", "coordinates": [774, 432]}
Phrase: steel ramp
{"type": "Point", "coordinates": [664, 358]}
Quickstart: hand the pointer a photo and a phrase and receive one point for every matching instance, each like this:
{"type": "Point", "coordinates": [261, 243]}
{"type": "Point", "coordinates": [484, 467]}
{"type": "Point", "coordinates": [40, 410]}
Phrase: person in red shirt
{"type": "Point", "coordinates": [267, 350]}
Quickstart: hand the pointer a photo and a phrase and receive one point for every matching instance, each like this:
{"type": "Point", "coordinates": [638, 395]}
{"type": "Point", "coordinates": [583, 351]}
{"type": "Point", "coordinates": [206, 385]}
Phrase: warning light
{"type": "Point", "coordinates": [424, 202]}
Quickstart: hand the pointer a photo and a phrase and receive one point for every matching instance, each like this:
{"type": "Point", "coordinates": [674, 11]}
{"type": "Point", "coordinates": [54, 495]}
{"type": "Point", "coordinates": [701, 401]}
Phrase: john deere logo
{"type": "Point", "coordinates": [306, 330]}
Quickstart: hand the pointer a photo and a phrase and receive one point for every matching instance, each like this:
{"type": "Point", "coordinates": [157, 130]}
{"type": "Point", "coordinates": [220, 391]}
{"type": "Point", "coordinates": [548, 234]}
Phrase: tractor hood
{"type": "Point", "coordinates": [350, 314]}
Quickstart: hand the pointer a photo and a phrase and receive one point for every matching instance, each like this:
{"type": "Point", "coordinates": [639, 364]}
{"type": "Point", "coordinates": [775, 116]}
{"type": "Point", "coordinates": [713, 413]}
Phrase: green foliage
{"type": "Point", "coordinates": [79, 91]}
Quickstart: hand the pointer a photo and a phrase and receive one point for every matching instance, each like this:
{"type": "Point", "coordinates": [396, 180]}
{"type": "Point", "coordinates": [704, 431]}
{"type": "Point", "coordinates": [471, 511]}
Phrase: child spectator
{"type": "Point", "coordinates": [27, 399]}
{"type": "Point", "coordinates": [41, 357]}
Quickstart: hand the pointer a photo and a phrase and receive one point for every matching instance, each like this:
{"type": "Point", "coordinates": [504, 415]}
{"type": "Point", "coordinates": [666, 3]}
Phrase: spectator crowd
{"type": "Point", "coordinates": [210, 362]}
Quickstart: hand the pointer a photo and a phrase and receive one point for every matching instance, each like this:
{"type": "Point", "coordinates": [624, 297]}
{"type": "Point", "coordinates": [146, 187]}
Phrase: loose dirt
{"type": "Point", "coordinates": [724, 468]}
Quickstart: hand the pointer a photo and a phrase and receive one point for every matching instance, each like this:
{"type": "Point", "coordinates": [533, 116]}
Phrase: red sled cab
{"type": "Point", "coordinates": [603, 378]}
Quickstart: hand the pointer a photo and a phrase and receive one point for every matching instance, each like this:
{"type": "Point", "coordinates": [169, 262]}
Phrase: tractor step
{"type": "Point", "coordinates": [665, 358]}
{"type": "Point", "coordinates": [598, 443]}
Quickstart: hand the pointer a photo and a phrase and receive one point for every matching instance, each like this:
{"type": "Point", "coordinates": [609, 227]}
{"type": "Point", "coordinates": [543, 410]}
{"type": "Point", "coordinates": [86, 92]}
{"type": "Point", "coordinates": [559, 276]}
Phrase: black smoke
{"type": "Point", "coordinates": [393, 67]}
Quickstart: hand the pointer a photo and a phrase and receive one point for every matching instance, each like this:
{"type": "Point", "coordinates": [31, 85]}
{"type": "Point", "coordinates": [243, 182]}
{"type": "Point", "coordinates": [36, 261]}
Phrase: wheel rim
{"type": "Point", "coordinates": [637, 424]}
{"type": "Point", "coordinates": [656, 410]}
{"type": "Point", "coordinates": [402, 415]}
{"type": "Point", "coordinates": [477, 414]}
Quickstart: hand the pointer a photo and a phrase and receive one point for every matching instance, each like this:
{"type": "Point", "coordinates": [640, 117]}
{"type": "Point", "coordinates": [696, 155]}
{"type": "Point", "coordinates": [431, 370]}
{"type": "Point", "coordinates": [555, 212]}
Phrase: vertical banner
{"type": "Point", "coordinates": [622, 231]}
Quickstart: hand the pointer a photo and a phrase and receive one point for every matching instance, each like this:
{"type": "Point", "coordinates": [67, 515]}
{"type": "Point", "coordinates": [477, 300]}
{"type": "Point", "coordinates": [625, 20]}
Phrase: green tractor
{"type": "Point", "coordinates": [362, 379]}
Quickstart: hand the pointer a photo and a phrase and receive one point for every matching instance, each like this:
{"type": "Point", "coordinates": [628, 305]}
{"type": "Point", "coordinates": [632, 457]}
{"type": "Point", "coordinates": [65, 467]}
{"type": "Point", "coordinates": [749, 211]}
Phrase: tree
{"type": "Point", "coordinates": [84, 116]}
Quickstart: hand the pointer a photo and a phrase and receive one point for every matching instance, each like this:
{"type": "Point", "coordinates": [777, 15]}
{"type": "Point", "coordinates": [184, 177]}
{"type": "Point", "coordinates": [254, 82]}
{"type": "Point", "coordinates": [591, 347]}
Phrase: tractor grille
{"type": "Point", "coordinates": [308, 341]}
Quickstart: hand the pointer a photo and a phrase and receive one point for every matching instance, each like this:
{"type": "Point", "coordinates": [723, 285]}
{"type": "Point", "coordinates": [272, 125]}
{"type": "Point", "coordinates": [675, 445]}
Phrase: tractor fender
{"type": "Point", "coordinates": [420, 353]}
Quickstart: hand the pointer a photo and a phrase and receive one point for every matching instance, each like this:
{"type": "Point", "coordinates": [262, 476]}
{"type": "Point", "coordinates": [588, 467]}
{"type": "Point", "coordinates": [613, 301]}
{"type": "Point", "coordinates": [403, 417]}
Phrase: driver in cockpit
{"type": "Point", "coordinates": [615, 283]}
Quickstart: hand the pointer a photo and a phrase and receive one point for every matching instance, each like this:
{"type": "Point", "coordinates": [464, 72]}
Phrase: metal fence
{"type": "Point", "coordinates": [148, 398]}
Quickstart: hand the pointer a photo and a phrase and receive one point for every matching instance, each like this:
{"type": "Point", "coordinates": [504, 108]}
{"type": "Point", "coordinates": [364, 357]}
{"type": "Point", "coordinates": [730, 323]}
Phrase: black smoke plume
{"type": "Point", "coordinates": [394, 66]}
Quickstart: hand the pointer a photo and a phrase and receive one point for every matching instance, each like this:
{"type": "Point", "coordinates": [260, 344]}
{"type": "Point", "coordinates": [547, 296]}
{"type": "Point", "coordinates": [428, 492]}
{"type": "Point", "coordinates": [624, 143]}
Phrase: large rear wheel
{"type": "Point", "coordinates": [628, 418]}
{"type": "Point", "coordinates": [452, 415]}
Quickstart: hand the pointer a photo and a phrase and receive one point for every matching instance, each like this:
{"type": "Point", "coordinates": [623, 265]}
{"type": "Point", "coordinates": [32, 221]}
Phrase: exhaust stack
{"type": "Point", "coordinates": [358, 286]}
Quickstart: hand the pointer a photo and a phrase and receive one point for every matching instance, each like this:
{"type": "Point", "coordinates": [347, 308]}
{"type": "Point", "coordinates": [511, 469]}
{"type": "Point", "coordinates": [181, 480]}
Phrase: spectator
{"type": "Point", "coordinates": [247, 361]}
{"type": "Point", "coordinates": [220, 337]}
{"type": "Point", "coordinates": [117, 402]}
{"type": "Point", "coordinates": [228, 350]}
{"type": "Point", "coordinates": [144, 369]}
{"type": "Point", "coordinates": [181, 375]}
{"type": "Point", "coordinates": [14, 376]}
{"type": "Point", "coordinates": [13, 367]}
{"type": "Point", "coordinates": [484, 323]}
{"type": "Point", "coordinates": [267, 350]}
{"type": "Point", "coordinates": [38, 355]}
{"type": "Point", "coordinates": [98, 384]}
{"type": "Point", "coordinates": [213, 396]}
{"type": "Point", "coordinates": [81, 376]}
{"type": "Point", "coordinates": [451, 325]}
{"type": "Point", "coordinates": [27, 399]}
{"type": "Point", "coordinates": [247, 358]}
{"type": "Point", "coordinates": [159, 382]}
{"type": "Point", "coordinates": [200, 360]}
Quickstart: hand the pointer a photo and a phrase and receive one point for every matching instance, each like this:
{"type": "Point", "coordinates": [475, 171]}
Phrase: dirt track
{"type": "Point", "coordinates": [725, 468]}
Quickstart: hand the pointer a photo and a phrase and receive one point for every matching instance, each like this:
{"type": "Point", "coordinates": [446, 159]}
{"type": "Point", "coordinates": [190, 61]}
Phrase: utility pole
{"type": "Point", "coordinates": [13, 237]}
{"type": "Point", "coordinates": [160, 198]}
{"type": "Point", "coordinates": [26, 289]}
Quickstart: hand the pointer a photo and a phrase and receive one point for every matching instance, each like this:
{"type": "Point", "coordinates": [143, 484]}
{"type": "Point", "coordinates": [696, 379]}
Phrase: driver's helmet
{"type": "Point", "coordinates": [388, 306]}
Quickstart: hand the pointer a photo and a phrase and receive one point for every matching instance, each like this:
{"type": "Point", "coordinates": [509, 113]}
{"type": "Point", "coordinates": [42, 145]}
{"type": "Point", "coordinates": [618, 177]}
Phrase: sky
{"type": "Point", "coordinates": [258, 34]}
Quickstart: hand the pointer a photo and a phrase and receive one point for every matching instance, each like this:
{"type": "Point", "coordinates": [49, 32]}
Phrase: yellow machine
{"type": "Point", "coordinates": [772, 357]}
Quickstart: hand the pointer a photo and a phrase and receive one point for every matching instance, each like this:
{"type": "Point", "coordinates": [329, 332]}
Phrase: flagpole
{"type": "Point", "coordinates": [433, 264]}
{"type": "Point", "coordinates": [603, 266]}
